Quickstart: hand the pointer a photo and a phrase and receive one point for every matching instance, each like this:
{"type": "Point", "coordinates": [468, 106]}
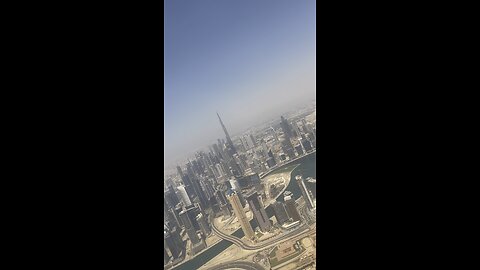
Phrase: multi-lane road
{"type": "Point", "coordinates": [237, 265]}
{"type": "Point", "coordinates": [299, 233]}
{"type": "Point", "coordinates": [304, 229]}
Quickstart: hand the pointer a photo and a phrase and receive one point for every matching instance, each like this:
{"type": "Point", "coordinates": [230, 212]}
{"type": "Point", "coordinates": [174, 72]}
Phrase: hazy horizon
{"type": "Point", "coordinates": [249, 61]}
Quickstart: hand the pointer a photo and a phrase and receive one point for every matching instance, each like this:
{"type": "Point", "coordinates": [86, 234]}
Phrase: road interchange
{"type": "Point", "coordinates": [304, 229]}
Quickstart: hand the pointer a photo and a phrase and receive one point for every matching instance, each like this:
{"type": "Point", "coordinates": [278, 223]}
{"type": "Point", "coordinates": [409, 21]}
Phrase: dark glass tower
{"type": "Point", "coordinates": [207, 189]}
{"type": "Point", "coordinates": [280, 212]}
{"type": "Point", "coordinates": [306, 195]}
{"type": "Point", "coordinates": [288, 148]}
{"type": "Point", "coordinates": [171, 197]}
{"type": "Point", "coordinates": [291, 207]}
{"type": "Point", "coordinates": [176, 212]}
{"type": "Point", "coordinates": [170, 243]}
{"type": "Point", "coordinates": [258, 211]}
{"type": "Point", "coordinates": [194, 180]}
{"type": "Point", "coordinates": [192, 212]}
{"type": "Point", "coordinates": [169, 216]}
{"type": "Point", "coordinates": [192, 233]}
{"type": "Point", "coordinates": [175, 233]}
{"type": "Point", "coordinates": [204, 226]}
{"type": "Point", "coordinates": [286, 128]}
{"type": "Point", "coordinates": [189, 188]}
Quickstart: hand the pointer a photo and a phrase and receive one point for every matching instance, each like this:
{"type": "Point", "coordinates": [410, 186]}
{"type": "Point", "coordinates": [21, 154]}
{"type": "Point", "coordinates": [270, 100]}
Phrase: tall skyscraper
{"type": "Point", "coordinates": [187, 183]}
{"type": "Point", "coordinates": [182, 192]}
{"type": "Point", "coordinates": [291, 206]}
{"type": "Point", "coordinates": [240, 214]}
{"type": "Point", "coordinates": [192, 233]}
{"type": "Point", "coordinates": [288, 148]}
{"type": "Point", "coordinates": [177, 239]}
{"type": "Point", "coordinates": [169, 216]}
{"type": "Point", "coordinates": [286, 128]}
{"type": "Point", "coordinates": [204, 226]}
{"type": "Point", "coordinates": [170, 243]}
{"type": "Point", "coordinates": [216, 150]}
{"type": "Point", "coordinates": [280, 212]}
{"type": "Point", "coordinates": [306, 195]}
{"type": "Point", "coordinates": [192, 212]}
{"type": "Point", "coordinates": [256, 206]}
{"type": "Point", "coordinates": [170, 197]}
{"type": "Point", "coordinates": [229, 140]}
{"type": "Point", "coordinates": [207, 189]}
{"type": "Point", "coordinates": [222, 203]}
{"type": "Point", "coordinates": [195, 181]}
{"type": "Point", "coordinates": [176, 212]}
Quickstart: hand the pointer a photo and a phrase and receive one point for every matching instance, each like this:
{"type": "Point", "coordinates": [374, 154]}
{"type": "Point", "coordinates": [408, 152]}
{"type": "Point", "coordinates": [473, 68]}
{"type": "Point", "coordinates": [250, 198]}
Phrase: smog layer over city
{"type": "Point", "coordinates": [240, 135]}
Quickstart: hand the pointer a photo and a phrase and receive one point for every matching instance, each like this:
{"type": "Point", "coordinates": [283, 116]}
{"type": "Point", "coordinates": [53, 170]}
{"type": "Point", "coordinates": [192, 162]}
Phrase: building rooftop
{"type": "Point", "coordinates": [230, 192]}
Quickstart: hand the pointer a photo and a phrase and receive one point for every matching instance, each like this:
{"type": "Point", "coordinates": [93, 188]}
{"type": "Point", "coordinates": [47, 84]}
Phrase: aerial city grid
{"type": "Point", "coordinates": [240, 135]}
{"type": "Point", "coordinates": [244, 204]}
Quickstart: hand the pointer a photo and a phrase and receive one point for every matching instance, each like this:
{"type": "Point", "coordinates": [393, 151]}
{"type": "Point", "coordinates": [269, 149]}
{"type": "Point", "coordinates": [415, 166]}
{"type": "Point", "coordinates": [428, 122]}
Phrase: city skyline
{"type": "Point", "coordinates": [247, 70]}
{"type": "Point", "coordinates": [173, 163]}
{"type": "Point", "coordinates": [240, 125]}
{"type": "Point", "coordinates": [245, 184]}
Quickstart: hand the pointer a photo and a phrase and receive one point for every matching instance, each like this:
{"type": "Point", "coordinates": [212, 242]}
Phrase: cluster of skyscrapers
{"type": "Point", "coordinates": [223, 181]}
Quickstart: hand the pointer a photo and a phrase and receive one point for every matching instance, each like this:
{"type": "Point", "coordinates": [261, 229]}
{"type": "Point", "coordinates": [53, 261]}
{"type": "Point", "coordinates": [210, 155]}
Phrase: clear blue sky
{"type": "Point", "coordinates": [246, 59]}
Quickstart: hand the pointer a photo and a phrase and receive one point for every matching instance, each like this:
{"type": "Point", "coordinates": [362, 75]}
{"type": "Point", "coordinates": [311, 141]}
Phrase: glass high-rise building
{"type": "Point", "coordinates": [258, 210]}
{"type": "Point", "coordinates": [291, 207]}
{"type": "Point", "coordinates": [192, 233]}
{"type": "Point", "coordinates": [170, 243]}
{"type": "Point", "coordinates": [286, 128]}
{"type": "Point", "coordinates": [170, 197]}
{"type": "Point", "coordinates": [182, 192]}
{"type": "Point", "coordinates": [204, 226]}
{"type": "Point", "coordinates": [240, 214]}
{"type": "Point", "coordinates": [306, 195]}
{"type": "Point", "coordinates": [280, 212]}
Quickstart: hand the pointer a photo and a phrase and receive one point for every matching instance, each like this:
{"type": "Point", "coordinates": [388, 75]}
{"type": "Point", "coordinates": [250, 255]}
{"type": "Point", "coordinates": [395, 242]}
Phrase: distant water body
{"type": "Point", "coordinates": [307, 168]}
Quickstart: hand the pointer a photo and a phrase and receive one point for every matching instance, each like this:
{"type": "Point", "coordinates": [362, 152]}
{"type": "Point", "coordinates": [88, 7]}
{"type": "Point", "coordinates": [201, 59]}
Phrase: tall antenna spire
{"type": "Point", "coordinates": [229, 141]}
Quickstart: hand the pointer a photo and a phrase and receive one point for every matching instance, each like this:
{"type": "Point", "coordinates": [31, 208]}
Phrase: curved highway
{"type": "Point", "coordinates": [237, 265]}
{"type": "Point", "coordinates": [274, 241]}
